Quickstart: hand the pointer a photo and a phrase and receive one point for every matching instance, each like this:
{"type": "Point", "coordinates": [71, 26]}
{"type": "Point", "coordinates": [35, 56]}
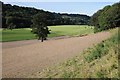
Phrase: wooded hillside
{"type": "Point", "coordinates": [106, 18]}
{"type": "Point", "coordinates": [20, 17]}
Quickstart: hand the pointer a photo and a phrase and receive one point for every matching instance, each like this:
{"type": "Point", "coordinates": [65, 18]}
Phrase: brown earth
{"type": "Point", "coordinates": [21, 58]}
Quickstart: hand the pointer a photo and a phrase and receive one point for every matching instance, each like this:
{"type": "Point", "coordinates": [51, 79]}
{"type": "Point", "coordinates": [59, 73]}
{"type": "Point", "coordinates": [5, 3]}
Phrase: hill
{"type": "Point", "coordinates": [21, 17]}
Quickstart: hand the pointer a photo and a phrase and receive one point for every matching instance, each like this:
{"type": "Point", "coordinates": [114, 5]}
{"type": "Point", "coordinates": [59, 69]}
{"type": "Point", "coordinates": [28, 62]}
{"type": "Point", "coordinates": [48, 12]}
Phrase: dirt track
{"type": "Point", "coordinates": [22, 58]}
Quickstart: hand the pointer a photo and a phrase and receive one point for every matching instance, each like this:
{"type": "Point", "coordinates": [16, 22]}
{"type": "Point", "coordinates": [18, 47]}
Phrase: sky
{"type": "Point", "coordinates": [80, 7]}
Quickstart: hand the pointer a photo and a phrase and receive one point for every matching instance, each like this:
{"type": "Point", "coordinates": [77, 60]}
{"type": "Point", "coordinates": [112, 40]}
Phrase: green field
{"type": "Point", "coordinates": [62, 30]}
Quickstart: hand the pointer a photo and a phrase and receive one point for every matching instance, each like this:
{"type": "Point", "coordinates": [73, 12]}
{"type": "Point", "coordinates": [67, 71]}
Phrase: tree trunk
{"type": "Point", "coordinates": [42, 39]}
{"type": "Point", "coordinates": [45, 38]}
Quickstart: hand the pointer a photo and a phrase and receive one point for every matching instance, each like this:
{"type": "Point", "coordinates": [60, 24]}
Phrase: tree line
{"type": "Point", "coordinates": [14, 16]}
{"type": "Point", "coordinates": [106, 18]}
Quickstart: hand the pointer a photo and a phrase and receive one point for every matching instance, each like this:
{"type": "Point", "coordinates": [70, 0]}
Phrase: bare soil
{"type": "Point", "coordinates": [21, 58]}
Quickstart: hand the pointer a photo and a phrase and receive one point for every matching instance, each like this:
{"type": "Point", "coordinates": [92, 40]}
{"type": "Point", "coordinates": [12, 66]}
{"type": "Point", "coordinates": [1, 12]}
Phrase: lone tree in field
{"type": "Point", "coordinates": [39, 26]}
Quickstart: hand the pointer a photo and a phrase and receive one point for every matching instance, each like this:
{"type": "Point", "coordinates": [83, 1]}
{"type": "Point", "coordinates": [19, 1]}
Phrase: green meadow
{"type": "Point", "coordinates": [61, 30]}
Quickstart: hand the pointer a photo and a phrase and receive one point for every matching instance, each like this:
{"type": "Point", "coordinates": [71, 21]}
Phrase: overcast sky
{"type": "Point", "coordinates": [81, 7]}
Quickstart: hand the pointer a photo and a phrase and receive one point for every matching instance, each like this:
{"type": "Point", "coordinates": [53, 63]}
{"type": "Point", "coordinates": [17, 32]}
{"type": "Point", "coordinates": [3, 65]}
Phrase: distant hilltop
{"type": "Point", "coordinates": [21, 17]}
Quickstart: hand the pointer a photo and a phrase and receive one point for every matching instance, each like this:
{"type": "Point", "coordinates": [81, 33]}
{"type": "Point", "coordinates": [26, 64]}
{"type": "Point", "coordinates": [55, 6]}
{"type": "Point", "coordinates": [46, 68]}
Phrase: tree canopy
{"type": "Point", "coordinates": [106, 18]}
{"type": "Point", "coordinates": [39, 26]}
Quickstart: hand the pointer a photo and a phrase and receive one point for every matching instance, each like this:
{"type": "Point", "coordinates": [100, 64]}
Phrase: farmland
{"type": "Point", "coordinates": [29, 57]}
{"type": "Point", "coordinates": [100, 61]}
{"type": "Point", "coordinates": [62, 30]}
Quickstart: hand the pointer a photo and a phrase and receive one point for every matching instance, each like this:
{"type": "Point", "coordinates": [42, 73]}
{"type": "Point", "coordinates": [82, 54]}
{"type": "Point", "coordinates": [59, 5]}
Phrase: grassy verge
{"type": "Point", "coordinates": [63, 30]}
{"type": "Point", "coordinates": [101, 61]}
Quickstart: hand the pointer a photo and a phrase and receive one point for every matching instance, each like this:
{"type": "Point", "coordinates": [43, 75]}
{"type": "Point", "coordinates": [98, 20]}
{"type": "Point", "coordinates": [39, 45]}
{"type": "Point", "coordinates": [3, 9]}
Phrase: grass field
{"type": "Point", "coordinates": [101, 61]}
{"type": "Point", "coordinates": [70, 30]}
{"type": "Point", "coordinates": [63, 30]}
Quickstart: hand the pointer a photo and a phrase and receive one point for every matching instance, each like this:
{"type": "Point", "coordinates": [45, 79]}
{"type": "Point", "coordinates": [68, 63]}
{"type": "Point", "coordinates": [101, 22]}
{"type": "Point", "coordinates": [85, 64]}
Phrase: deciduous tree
{"type": "Point", "coordinates": [39, 26]}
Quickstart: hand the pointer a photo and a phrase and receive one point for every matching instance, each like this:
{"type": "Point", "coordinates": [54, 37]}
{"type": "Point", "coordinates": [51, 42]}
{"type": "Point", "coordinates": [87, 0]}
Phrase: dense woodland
{"type": "Point", "coordinates": [106, 18]}
{"type": "Point", "coordinates": [21, 17]}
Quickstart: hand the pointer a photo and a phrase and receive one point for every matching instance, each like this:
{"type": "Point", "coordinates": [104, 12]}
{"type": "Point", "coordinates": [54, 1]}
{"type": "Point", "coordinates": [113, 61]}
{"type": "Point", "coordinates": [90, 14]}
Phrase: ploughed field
{"type": "Point", "coordinates": [23, 58]}
{"type": "Point", "coordinates": [56, 31]}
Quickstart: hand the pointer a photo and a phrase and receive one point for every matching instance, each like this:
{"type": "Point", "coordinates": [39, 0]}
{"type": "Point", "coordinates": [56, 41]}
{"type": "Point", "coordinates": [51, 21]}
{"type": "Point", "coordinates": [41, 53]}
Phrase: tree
{"type": "Point", "coordinates": [4, 22]}
{"type": "Point", "coordinates": [11, 26]}
{"type": "Point", "coordinates": [104, 18]}
{"type": "Point", "coordinates": [107, 18]}
{"type": "Point", "coordinates": [10, 23]}
{"type": "Point", "coordinates": [94, 21]}
{"type": "Point", "coordinates": [39, 26]}
{"type": "Point", "coordinates": [110, 17]}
